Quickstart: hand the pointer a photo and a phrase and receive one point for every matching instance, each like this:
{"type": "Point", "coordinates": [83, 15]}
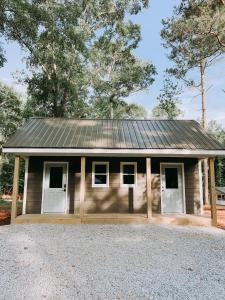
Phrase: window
{"type": "Point", "coordinates": [128, 172]}
{"type": "Point", "coordinates": [100, 174]}
{"type": "Point", "coordinates": [56, 176]}
{"type": "Point", "coordinates": [171, 178]}
{"type": "Point", "coordinates": [221, 197]}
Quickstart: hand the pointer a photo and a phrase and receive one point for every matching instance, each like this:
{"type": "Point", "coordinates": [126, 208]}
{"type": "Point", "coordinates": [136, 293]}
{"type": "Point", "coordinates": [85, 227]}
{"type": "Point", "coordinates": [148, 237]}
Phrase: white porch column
{"type": "Point", "coordinates": [148, 187]}
{"type": "Point", "coordinates": [25, 185]}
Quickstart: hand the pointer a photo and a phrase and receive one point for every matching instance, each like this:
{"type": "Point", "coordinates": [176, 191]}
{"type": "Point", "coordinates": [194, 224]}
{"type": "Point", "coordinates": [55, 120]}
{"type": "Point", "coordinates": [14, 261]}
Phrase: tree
{"type": "Point", "coordinates": [117, 72]}
{"type": "Point", "coordinates": [121, 110]}
{"type": "Point", "coordinates": [192, 47]}
{"type": "Point", "coordinates": [61, 39]}
{"type": "Point", "coordinates": [218, 132]}
{"type": "Point", "coordinates": [10, 120]}
{"type": "Point", "coordinates": [10, 113]}
{"type": "Point", "coordinates": [169, 101]}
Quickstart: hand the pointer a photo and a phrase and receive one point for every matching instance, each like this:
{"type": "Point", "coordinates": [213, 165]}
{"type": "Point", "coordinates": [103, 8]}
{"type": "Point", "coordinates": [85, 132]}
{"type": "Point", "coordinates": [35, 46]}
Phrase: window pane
{"type": "Point", "coordinates": [101, 168]}
{"type": "Point", "coordinates": [171, 178]}
{"type": "Point", "coordinates": [100, 179]}
{"type": "Point", "coordinates": [128, 169]}
{"type": "Point", "coordinates": [128, 179]}
{"type": "Point", "coordinates": [56, 176]}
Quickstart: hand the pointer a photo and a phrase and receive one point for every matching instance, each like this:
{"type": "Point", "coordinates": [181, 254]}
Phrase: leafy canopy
{"type": "Point", "coordinates": [193, 33]}
{"type": "Point", "coordinates": [169, 101]}
{"type": "Point", "coordinates": [10, 112]}
{"type": "Point", "coordinates": [78, 52]}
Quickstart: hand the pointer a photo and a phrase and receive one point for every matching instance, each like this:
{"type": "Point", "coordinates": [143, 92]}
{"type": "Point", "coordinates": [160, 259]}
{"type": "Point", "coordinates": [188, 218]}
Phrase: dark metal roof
{"type": "Point", "coordinates": [112, 134]}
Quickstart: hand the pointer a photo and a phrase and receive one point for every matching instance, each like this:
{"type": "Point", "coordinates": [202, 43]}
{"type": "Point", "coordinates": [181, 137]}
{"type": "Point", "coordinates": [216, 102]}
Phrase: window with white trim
{"type": "Point", "coordinates": [100, 174]}
{"type": "Point", "coordinates": [128, 173]}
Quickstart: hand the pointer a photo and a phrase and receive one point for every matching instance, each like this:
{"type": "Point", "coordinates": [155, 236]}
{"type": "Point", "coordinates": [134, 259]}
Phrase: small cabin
{"type": "Point", "coordinates": [220, 195]}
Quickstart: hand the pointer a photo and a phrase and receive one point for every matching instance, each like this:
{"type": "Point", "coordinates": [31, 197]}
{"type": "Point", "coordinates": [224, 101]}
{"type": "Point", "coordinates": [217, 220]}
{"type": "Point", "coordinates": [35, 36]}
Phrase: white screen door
{"type": "Point", "coordinates": [55, 188]}
{"type": "Point", "coordinates": [172, 188]}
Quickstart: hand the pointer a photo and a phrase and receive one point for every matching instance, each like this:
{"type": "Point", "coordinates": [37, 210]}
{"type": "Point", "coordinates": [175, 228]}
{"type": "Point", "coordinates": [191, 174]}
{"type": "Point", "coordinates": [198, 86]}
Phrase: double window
{"type": "Point", "coordinates": [100, 174]}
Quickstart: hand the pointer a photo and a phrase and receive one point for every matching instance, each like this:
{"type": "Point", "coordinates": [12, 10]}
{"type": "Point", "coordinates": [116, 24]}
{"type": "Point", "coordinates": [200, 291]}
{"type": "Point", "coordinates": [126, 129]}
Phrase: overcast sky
{"type": "Point", "coordinates": [150, 49]}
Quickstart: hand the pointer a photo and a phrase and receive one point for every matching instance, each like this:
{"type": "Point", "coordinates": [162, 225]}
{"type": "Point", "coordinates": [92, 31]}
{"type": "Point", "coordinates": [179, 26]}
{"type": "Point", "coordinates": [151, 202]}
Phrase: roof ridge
{"type": "Point", "coordinates": [119, 119]}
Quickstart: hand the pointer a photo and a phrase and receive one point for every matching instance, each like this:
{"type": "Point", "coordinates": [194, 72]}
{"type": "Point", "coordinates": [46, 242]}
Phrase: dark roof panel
{"type": "Point", "coordinates": [112, 134]}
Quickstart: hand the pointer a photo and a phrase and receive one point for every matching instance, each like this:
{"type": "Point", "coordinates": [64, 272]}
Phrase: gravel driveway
{"type": "Point", "coordinates": [111, 262]}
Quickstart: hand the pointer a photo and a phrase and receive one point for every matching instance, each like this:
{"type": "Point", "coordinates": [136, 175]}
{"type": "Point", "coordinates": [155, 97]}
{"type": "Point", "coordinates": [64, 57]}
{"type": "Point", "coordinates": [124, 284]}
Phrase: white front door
{"type": "Point", "coordinates": [172, 188]}
{"type": "Point", "coordinates": [55, 187]}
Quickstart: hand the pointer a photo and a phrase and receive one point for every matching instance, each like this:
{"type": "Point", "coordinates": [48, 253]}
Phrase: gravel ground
{"type": "Point", "coordinates": [111, 262]}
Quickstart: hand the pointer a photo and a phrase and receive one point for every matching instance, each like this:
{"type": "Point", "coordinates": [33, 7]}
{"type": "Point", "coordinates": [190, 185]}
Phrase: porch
{"type": "Point", "coordinates": [146, 212]}
{"type": "Point", "coordinates": [166, 219]}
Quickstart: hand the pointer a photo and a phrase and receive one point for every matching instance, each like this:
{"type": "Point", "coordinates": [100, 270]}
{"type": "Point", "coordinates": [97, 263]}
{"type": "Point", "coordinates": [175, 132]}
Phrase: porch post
{"type": "Point", "coordinates": [82, 186]}
{"type": "Point", "coordinates": [15, 188]}
{"type": "Point", "coordinates": [25, 186]}
{"type": "Point", "coordinates": [200, 186]}
{"type": "Point", "coordinates": [148, 187]}
{"type": "Point", "coordinates": [212, 191]}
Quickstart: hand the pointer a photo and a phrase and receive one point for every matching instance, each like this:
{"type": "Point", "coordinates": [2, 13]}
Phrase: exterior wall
{"type": "Point", "coordinates": [35, 178]}
{"type": "Point", "coordinates": [113, 199]}
{"type": "Point", "coordinates": [192, 191]}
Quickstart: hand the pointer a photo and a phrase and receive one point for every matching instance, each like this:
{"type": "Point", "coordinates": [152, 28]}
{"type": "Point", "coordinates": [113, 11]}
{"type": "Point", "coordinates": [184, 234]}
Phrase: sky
{"type": "Point", "coordinates": [150, 49]}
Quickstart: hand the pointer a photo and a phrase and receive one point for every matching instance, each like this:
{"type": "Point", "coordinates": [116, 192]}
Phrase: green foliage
{"type": "Point", "coordinates": [7, 175]}
{"type": "Point", "coordinates": [169, 101]}
{"type": "Point", "coordinates": [10, 120]}
{"type": "Point", "coordinates": [78, 51]}
{"type": "Point", "coordinates": [192, 34]}
{"type": "Point", "coordinates": [116, 71]}
{"type": "Point", "coordinates": [218, 132]}
{"type": "Point", "coordinates": [122, 110]}
{"type": "Point", "coordinates": [10, 113]}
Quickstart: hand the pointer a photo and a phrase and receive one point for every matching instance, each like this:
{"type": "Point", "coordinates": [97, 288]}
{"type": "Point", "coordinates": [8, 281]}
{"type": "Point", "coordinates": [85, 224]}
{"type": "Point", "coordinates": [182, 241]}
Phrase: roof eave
{"type": "Point", "coordinates": [114, 152]}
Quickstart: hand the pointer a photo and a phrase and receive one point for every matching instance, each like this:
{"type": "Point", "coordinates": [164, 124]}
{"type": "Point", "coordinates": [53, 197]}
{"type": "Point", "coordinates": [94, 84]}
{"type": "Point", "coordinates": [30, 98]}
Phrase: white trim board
{"type": "Point", "coordinates": [115, 152]}
{"type": "Point", "coordinates": [25, 185]}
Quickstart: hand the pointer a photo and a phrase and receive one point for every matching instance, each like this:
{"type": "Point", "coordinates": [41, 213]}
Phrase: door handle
{"type": "Point", "coordinates": [64, 189]}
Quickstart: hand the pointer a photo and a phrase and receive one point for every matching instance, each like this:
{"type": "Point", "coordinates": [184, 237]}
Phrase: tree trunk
{"type": "Point", "coordinates": [111, 113]}
{"type": "Point", "coordinates": [204, 125]}
{"type": "Point", "coordinates": [203, 94]}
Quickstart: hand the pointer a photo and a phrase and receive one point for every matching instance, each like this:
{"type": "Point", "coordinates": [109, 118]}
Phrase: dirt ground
{"type": "Point", "coordinates": [5, 210]}
{"type": "Point", "coordinates": [220, 215]}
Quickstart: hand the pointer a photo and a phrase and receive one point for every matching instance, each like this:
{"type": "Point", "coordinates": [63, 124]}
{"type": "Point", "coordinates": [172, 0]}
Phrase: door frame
{"type": "Point", "coordinates": [183, 180]}
{"type": "Point", "coordinates": [67, 180]}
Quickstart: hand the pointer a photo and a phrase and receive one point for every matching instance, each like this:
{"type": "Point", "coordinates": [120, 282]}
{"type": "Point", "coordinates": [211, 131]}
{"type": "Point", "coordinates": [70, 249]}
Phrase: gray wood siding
{"type": "Point", "coordinates": [112, 199]}
{"type": "Point", "coordinates": [115, 199]}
